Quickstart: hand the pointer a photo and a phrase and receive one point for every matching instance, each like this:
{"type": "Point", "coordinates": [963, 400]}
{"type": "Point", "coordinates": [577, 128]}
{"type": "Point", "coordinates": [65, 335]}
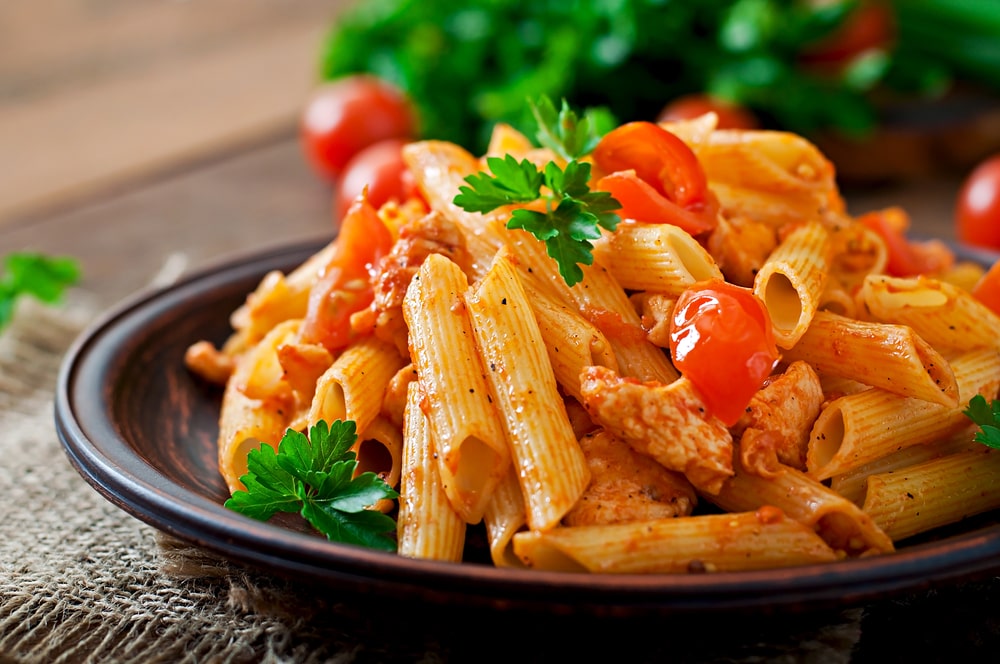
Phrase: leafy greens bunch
{"type": "Point", "coordinates": [469, 65]}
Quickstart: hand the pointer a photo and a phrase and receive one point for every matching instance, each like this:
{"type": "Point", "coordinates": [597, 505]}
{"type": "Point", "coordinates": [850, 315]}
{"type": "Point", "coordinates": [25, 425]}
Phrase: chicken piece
{"type": "Point", "coordinates": [776, 428]}
{"type": "Point", "coordinates": [433, 233]}
{"type": "Point", "coordinates": [626, 486]}
{"type": "Point", "coordinates": [654, 311]}
{"type": "Point", "coordinates": [666, 422]}
{"type": "Point", "coordinates": [740, 246]}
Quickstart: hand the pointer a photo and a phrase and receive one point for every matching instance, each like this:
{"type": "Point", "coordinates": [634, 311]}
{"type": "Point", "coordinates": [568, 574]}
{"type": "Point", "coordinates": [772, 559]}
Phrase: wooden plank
{"type": "Point", "coordinates": [94, 93]}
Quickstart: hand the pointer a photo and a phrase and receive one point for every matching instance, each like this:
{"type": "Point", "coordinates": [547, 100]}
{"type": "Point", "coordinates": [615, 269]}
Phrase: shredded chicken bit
{"type": "Point", "coordinates": [666, 422]}
{"type": "Point", "coordinates": [432, 233]}
{"type": "Point", "coordinates": [775, 429]}
{"type": "Point", "coordinates": [626, 486]}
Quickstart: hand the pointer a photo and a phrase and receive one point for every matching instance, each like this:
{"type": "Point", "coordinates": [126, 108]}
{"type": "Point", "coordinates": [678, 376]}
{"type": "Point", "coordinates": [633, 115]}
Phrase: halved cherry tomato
{"type": "Point", "coordinates": [380, 168]}
{"type": "Point", "coordinates": [345, 287]}
{"type": "Point", "coordinates": [658, 157]}
{"type": "Point", "coordinates": [687, 107]}
{"type": "Point", "coordinates": [987, 289]}
{"type": "Point", "coordinates": [640, 201]}
{"type": "Point", "coordinates": [345, 116]}
{"type": "Point", "coordinates": [906, 257]}
{"type": "Point", "coordinates": [977, 208]}
{"type": "Point", "coordinates": [721, 340]}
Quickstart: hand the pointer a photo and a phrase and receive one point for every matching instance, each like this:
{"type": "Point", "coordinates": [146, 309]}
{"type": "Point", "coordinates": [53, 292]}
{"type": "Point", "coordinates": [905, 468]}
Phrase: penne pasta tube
{"type": "Point", "coordinates": [934, 493]}
{"type": "Point", "coordinates": [841, 523]}
{"type": "Point", "coordinates": [858, 428]}
{"type": "Point", "coordinates": [655, 257]}
{"type": "Point", "coordinates": [853, 484]}
{"type": "Point", "coordinates": [792, 281]}
{"type": "Point", "coordinates": [354, 386]}
{"type": "Point", "coordinates": [427, 527]}
{"type": "Point", "coordinates": [549, 464]}
{"type": "Point", "coordinates": [758, 539]}
{"type": "Point", "coordinates": [572, 341]}
{"type": "Point", "coordinates": [247, 420]}
{"type": "Point", "coordinates": [602, 301]}
{"type": "Point", "coordinates": [505, 517]}
{"type": "Point", "coordinates": [944, 315]}
{"type": "Point", "coordinates": [469, 436]}
{"type": "Point", "coordinates": [891, 357]}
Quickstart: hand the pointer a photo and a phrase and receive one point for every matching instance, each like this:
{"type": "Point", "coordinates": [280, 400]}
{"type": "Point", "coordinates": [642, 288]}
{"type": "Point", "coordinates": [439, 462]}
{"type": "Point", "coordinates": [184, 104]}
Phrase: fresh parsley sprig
{"type": "Point", "coordinates": [314, 476]}
{"type": "Point", "coordinates": [574, 215]}
{"type": "Point", "coordinates": [37, 275]}
{"type": "Point", "coordinates": [987, 416]}
{"type": "Point", "coordinates": [566, 134]}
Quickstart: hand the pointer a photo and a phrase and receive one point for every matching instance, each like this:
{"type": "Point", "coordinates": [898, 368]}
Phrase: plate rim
{"type": "Point", "coordinates": [149, 495]}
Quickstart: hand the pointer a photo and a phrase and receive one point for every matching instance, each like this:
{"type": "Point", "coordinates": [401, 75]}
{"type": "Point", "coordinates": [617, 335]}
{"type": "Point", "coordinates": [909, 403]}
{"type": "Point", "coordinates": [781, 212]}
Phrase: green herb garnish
{"type": "Point", "coordinates": [315, 477]}
{"type": "Point", "coordinates": [987, 416]}
{"type": "Point", "coordinates": [37, 275]}
{"type": "Point", "coordinates": [569, 136]}
{"type": "Point", "coordinates": [573, 216]}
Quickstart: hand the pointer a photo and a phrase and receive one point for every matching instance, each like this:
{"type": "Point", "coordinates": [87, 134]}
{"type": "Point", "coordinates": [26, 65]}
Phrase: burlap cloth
{"type": "Point", "coordinates": [80, 580]}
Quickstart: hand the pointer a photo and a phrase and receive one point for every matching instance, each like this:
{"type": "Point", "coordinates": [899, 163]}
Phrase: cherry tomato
{"type": "Point", "coordinates": [345, 287]}
{"type": "Point", "coordinates": [906, 257]}
{"type": "Point", "coordinates": [871, 26]}
{"type": "Point", "coordinates": [721, 340]}
{"type": "Point", "coordinates": [347, 115]}
{"type": "Point", "coordinates": [987, 289]}
{"type": "Point", "coordinates": [695, 105]}
{"type": "Point", "coordinates": [641, 202]}
{"type": "Point", "coordinates": [658, 157]}
{"type": "Point", "coordinates": [977, 210]}
{"type": "Point", "coordinates": [380, 168]}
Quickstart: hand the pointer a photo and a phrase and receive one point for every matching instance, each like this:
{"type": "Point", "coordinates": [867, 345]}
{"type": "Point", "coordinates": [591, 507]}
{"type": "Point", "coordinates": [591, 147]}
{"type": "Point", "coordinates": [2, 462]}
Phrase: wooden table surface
{"type": "Point", "coordinates": [138, 194]}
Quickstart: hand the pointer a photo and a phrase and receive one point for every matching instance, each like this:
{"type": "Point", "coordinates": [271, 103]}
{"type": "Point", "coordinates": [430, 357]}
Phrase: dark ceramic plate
{"type": "Point", "coordinates": [142, 431]}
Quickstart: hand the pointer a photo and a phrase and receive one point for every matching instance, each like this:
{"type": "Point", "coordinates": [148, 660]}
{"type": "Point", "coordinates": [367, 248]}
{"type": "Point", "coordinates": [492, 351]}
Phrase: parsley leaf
{"type": "Point", "coordinates": [314, 476]}
{"type": "Point", "coordinates": [987, 416]}
{"type": "Point", "coordinates": [574, 215]}
{"type": "Point", "coordinates": [564, 133]}
{"type": "Point", "coordinates": [42, 277]}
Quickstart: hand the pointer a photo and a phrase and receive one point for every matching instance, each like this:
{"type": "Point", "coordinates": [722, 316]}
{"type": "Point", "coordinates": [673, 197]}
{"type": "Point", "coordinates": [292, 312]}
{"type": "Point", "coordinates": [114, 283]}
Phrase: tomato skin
{"type": "Point", "coordinates": [345, 286]}
{"type": "Point", "coordinates": [343, 117]}
{"type": "Point", "coordinates": [688, 107]}
{"type": "Point", "coordinates": [658, 157]}
{"type": "Point", "coordinates": [721, 340]}
{"type": "Point", "coordinates": [977, 208]}
{"type": "Point", "coordinates": [987, 289]}
{"type": "Point", "coordinates": [906, 257]}
{"type": "Point", "coordinates": [380, 168]}
{"type": "Point", "coordinates": [642, 202]}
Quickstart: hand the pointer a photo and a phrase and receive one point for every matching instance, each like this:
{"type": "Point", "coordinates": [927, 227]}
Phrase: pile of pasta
{"type": "Point", "coordinates": [489, 392]}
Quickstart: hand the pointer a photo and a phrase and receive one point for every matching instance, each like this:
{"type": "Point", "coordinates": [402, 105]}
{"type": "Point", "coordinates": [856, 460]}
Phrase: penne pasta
{"type": "Point", "coordinates": [891, 357]}
{"type": "Point", "coordinates": [710, 543]}
{"type": "Point", "coordinates": [792, 281]}
{"type": "Point", "coordinates": [548, 462]}
{"type": "Point", "coordinates": [470, 441]}
{"type": "Point", "coordinates": [427, 526]}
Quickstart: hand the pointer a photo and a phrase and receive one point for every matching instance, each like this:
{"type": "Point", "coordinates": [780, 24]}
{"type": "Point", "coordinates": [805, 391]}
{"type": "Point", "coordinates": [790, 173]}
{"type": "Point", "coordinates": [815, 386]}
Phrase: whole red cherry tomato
{"type": "Point", "coordinates": [721, 340]}
{"type": "Point", "coordinates": [347, 115]}
{"type": "Point", "coordinates": [977, 209]}
{"type": "Point", "coordinates": [686, 107]}
{"type": "Point", "coordinates": [380, 168]}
